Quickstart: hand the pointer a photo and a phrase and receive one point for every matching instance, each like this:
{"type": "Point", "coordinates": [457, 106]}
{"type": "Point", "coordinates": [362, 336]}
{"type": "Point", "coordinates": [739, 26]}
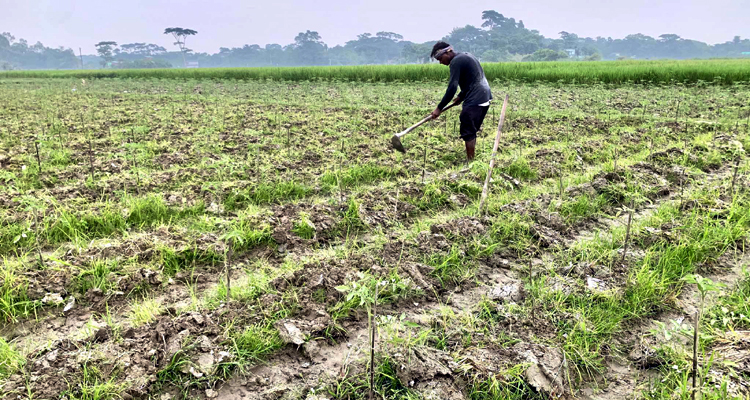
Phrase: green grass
{"type": "Point", "coordinates": [359, 175]}
{"type": "Point", "coordinates": [254, 344]}
{"type": "Point", "coordinates": [732, 312]}
{"type": "Point", "coordinates": [520, 169]}
{"type": "Point", "coordinates": [507, 384]}
{"type": "Point", "coordinates": [451, 268]}
{"type": "Point", "coordinates": [612, 72]}
{"type": "Point", "coordinates": [387, 385]}
{"type": "Point", "coordinates": [265, 193]}
{"type": "Point", "coordinates": [173, 260]}
{"type": "Point", "coordinates": [10, 360]}
{"type": "Point", "coordinates": [303, 227]}
{"type": "Point", "coordinates": [369, 290]}
{"type": "Point", "coordinates": [91, 385]}
{"type": "Point", "coordinates": [145, 311]}
{"type": "Point", "coordinates": [96, 276]}
{"type": "Point", "coordinates": [581, 208]}
{"type": "Point", "coordinates": [351, 221]}
{"type": "Point", "coordinates": [653, 281]}
{"type": "Point", "coordinates": [14, 300]}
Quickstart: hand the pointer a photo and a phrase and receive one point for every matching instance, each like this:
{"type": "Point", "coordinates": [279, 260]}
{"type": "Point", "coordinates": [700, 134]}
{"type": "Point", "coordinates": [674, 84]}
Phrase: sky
{"type": "Point", "coordinates": [233, 23]}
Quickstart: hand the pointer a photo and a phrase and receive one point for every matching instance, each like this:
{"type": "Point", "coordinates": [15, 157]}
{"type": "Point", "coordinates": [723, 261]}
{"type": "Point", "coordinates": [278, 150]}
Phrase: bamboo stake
{"type": "Point", "coordinates": [229, 269]}
{"type": "Point", "coordinates": [424, 164]}
{"type": "Point", "coordinates": [38, 159]}
{"type": "Point", "coordinates": [494, 154]}
{"type": "Point", "coordinates": [695, 352]}
{"type": "Point", "coordinates": [682, 186]}
{"type": "Point", "coordinates": [734, 175]}
{"type": "Point", "coordinates": [372, 342]}
{"type": "Point", "coordinates": [91, 160]}
{"type": "Point", "coordinates": [627, 231]}
{"type": "Point", "coordinates": [36, 238]}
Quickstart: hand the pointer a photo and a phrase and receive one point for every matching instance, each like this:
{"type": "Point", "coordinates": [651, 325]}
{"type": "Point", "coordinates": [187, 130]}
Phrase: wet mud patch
{"type": "Point", "coordinates": [550, 163]}
{"type": "Point", "coordinates": [386, 207]}
{"type": "Point", "coordinates": [300, 225]}
{"type": "Point", "coordinates": [131, 359]}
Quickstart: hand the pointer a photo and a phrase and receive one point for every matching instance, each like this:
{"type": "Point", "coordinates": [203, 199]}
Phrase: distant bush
{"type": "Point", "coordinates": [546, 55]}
{"type": "Point", "coordinates": [143, 64]}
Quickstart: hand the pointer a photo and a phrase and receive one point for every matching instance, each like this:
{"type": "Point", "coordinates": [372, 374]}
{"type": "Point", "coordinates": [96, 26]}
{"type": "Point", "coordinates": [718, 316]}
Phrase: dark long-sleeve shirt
{"type": "Point", "coordinates": [467, 73]}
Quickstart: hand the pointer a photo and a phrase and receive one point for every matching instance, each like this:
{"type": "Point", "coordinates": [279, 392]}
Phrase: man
{"type": "Point", "coordinates": [466, 73]}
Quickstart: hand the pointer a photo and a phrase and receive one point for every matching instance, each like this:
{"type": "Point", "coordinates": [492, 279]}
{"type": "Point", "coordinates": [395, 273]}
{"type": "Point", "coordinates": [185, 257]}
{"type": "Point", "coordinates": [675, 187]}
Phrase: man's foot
{"type": "Point", "coordinates": [470, 150]}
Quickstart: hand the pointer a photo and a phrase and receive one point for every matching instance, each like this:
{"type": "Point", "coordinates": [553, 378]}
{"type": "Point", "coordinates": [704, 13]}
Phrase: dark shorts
{"type": "Point", "coordinates": [471, 120]}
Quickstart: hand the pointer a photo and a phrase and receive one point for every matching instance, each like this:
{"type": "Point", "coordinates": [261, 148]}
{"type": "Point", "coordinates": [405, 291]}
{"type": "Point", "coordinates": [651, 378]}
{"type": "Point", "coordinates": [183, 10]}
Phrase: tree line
{"type": "Point", "coordinates": [499, 38]}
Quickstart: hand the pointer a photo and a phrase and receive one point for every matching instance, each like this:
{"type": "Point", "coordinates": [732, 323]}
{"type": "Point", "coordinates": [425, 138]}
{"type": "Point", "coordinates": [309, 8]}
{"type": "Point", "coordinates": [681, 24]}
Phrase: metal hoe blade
{"type": "Point", "coordinates": [396, 143]}
{"type": "Point", "coordinates": [396, 139]}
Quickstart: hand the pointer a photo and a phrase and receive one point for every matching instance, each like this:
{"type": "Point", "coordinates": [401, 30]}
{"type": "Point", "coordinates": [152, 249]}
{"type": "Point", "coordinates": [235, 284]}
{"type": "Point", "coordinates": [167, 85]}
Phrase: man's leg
{"type": "Point", "coordinates": [468, 130]}
{"type": "Point", "coordinates": [470, 146]}
{"type": "Point", "coordinates": [471, 120]}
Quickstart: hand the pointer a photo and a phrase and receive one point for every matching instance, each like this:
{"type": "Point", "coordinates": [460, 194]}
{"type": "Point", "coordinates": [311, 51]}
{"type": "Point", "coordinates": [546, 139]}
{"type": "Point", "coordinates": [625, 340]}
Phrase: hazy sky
{"type": "Point", "coordinates": [233, 23]}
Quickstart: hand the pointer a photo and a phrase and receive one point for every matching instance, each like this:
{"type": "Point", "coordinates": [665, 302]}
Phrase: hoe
{"type": "Point", "coordinates": [396, 139]}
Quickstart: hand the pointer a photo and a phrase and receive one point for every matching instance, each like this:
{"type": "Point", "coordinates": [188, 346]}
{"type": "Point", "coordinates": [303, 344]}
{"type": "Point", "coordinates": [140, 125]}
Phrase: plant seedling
{"type": "Point", "coordinates": [705, 286]}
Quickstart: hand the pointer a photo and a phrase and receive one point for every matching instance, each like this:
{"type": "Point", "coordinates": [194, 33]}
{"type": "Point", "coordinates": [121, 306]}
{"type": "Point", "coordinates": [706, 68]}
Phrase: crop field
{"type": "Point", "coordinates": [232, 239]}
{"type": "Point", "coordinates": [670, 72]}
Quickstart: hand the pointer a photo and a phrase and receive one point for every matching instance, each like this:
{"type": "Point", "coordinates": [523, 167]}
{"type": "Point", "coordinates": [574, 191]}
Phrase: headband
{"type": "Point", "coordinates": [442, 51]}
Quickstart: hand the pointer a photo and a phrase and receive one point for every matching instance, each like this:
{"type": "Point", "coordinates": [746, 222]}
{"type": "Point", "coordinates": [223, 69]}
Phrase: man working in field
{"type": "Point", "coordinates": [466, 73]}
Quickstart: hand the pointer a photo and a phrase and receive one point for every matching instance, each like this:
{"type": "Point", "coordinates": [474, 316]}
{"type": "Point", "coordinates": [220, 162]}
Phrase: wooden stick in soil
{"type": "Point", "coordinates": [36, 238]}
{"type": "Point", "coordinates": [682, 186]}
{"type": "Point", "coordinates": [651, 147]}
{"type": "Point", "coordinates": [372, 342]}
{"type": "Point", "coordinates": [288, 139]}
{"type": "Point", "coordinates": [494, 153]}
{"type": "Point", "coordinates": [696, 389]}
{"type": "Point", "coordinates": [135, 167]}
{"type": "Point", "coordinates": [91, 160]}
{"type": "Point", "coordinates": [424, 164]}
{"type": "Point", "coordinates": [615, 159]}
{"type": "Point", "coordinates": [627, 231]}
{"type": "Point", "coordinates": [229, 269]}
{"type": "Point", "coordinates": [338, 176]}
{"type": "Point", "coordinates": [734, 175]}
{"type": "Point", "coordinates": [38, 159]}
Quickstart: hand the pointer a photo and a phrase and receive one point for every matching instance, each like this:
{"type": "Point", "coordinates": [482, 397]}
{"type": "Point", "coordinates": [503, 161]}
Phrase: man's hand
{"type": "Point", "coordinates": [436, 113]}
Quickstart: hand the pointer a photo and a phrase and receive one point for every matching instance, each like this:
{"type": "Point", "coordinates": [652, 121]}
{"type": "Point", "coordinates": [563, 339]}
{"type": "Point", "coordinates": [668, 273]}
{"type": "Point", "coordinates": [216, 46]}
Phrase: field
{"type": "Point", "coordinates": [243, 239]}
{"type": "Point", "coordinates": [670, 72]}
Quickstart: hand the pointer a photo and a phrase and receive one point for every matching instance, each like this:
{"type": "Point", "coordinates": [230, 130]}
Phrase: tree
{"type": "Point", "coordinates": [570, 40]}
{"type": "Point", "coordinates": [140, 49]}
{"type": "Point", "coordinates": [492, 19]}
{"type": "Point", "coordinates": [180, 35]}
{"type": "Point", "coordinates": [383, 47]}
{"type": "Point", "coordinates": [395, 37]}
{"type": "Point", "coordinates": [104, 49]}
{"type": "Point", "coordinates": [416, 53]}
{"type": "Point", "coordinates": [495, 56]}
{"type": "Point", "coordinates": [469, 39]}
{"type": "Point", "coordinates": [275, 53]}
{"type": "Point", "coordinates": [546, 55]}
{"type": "Point", "coordinates": [309, 48]}
{"type": "Point", "coordinates": [669, 37]}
